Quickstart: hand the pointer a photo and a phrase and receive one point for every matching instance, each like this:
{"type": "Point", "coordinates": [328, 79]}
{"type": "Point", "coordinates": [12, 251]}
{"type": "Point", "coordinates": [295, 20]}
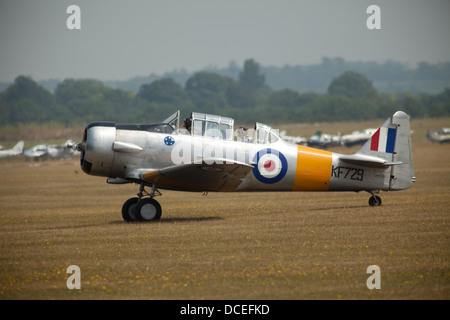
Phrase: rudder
{"type": "Point", "coordinates": [402, 175]}
{"type": "Point", "coordinates": [392, 142]}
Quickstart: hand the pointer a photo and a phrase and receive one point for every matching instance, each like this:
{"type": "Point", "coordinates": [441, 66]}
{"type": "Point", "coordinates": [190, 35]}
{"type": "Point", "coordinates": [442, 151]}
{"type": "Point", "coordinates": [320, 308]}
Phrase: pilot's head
{"type": "Point", "coordinates": [187, 123]}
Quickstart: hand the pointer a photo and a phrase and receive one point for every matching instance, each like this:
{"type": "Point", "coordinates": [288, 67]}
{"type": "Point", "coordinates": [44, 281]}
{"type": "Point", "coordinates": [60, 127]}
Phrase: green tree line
{"type": "Point", "coordinates": [388, 76]}
{"type": "Point", "coordinates": [350, 96]}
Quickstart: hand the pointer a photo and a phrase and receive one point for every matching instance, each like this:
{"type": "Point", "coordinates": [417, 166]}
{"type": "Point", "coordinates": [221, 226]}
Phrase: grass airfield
{"type": "Point", "coordinates": [224, 245]}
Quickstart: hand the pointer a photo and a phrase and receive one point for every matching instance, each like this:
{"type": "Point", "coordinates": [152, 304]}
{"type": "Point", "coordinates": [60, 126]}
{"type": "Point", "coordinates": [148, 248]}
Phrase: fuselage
{"type": "Point", "coordinates": [119, 151]}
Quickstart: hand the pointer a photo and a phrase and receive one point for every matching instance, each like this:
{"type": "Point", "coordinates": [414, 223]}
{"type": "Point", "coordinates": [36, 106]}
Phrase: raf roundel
{"type": "Point", "coordinates": [169, 141]}
{"type": "Point", "coordinates": [270, 166]}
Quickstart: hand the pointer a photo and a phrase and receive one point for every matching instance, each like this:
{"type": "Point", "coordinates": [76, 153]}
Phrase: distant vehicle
{"type": "Point", "coordinates": [441, 136]}
{"type": "Point", "coordinates": [322, 140]}
{"type": "Point", "coordinates": [44, 151]}
{"type": "Point", "coordinates": [205, 158]}
{"type": "Point", "coordinates": [357, 137]}
{"type": "Point", "coordinates": [14, 151]}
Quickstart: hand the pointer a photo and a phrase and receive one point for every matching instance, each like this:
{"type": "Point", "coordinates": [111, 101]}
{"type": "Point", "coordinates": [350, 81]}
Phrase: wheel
{"type": "Point", "coordinates": [128, 209]}
{"type": "Point", "coordinates": [375, 201]}
{"type": "Point", "coordinates": [147, 209]}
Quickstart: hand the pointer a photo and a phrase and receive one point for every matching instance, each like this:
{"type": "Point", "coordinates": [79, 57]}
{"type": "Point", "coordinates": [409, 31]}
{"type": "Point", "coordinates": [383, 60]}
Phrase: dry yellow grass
{"type": "Point", "coordinates": [223, 246]}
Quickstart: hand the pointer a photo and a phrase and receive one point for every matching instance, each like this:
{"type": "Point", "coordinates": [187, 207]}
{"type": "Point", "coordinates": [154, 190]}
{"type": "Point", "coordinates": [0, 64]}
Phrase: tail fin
{"type": "Point", "coordinates": [392, 143]}
{"type": "Point", "coordinates": [18, 148]}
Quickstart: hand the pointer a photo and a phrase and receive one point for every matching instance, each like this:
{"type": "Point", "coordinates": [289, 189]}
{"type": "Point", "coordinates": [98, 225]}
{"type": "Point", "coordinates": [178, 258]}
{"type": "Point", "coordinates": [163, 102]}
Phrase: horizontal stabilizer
{"type": "Point", "coordinates": [368, 161]}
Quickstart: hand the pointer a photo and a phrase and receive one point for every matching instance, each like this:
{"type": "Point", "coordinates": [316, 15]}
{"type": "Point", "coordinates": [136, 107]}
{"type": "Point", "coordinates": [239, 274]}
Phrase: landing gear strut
{"type": "Point", "coordinates": [374, 201]}
{"type": "Point", "coordinates": [142, 209]}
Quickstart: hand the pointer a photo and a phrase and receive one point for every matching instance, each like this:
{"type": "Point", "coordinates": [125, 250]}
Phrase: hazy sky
{"type": "Point", "coordinates": [122, 39]}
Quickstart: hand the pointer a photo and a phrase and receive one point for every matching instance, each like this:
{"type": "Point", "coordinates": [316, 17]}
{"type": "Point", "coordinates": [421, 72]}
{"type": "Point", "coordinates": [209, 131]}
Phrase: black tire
{"type": "Point", "coordinates": [128, 209]}
{"type": "Point", "coordinates": [375, 201]}
{"type": "Point", "coordinates": [147, 210]}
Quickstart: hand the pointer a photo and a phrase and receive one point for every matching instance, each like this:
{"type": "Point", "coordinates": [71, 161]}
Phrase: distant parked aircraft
{"type": "Point", "coordinates": [17, 149]}
{"type": "Point", "coordinates": [297, 140]}
{"type": "Point", "coordinates": [56, 151]}
{"type": "Point", "coordinates": [357, 137]}
{"type": "Point", "coordinates": [323, 140]}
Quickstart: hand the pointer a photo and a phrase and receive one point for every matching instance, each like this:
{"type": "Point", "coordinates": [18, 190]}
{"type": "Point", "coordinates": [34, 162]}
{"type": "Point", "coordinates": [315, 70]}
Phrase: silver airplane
{"type": "Point", "coordinates": [14, 151]}
{"type": "Point", "coordinates": [55, 151]}
{"type": "Point", "coordinates": [207, 156]}
{"type": "Point", "coordinates": [37, 152]}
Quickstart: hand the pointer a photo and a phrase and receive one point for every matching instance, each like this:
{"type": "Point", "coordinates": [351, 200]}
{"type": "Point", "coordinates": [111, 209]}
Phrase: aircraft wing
{"type": "Point", "coordinates": [212, 175]}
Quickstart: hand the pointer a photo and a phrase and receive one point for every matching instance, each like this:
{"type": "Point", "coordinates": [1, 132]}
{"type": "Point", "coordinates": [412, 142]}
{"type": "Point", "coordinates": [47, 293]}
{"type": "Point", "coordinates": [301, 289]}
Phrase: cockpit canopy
{"type": "Point", "coordinates": [211, 126]}
{"type": "Point", "coordinates": [264, 134]}
{"type": "Point", "coordinates": [218, 127]}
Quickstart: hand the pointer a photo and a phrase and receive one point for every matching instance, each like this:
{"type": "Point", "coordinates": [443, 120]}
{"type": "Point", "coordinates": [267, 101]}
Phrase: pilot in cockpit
{"type": "Point", "coordinates": [187, 124]}
{"type": "Point", "coordinates": [242, 134]}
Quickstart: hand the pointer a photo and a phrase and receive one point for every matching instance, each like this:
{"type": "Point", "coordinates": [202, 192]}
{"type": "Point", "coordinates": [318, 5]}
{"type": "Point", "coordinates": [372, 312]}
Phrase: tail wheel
{"type": "Point", "coordinates": [375, 201]}
{"type": "Point", "coordinates": [147, 209]}
{"type": "Point", "coordinates": [128, 209]}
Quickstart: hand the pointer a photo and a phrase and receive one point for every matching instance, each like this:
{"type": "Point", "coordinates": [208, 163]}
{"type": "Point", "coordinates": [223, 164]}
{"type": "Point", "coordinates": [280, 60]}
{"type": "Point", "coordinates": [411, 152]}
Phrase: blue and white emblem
{"type": "Point", "coordinates": [169, 141]}
{"type": "Point", "coordinates": [271, 166]}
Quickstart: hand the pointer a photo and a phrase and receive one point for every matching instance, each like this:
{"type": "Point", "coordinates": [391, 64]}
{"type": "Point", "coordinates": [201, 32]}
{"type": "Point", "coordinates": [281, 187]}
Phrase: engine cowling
{"type": "Point", "coordinates": [97, 148]}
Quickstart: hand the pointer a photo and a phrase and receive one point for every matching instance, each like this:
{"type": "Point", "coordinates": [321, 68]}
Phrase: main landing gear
{"type": "Point", "coordinates": [142, 209]}
{"type": "Point", "coordinates": [374, 201]}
